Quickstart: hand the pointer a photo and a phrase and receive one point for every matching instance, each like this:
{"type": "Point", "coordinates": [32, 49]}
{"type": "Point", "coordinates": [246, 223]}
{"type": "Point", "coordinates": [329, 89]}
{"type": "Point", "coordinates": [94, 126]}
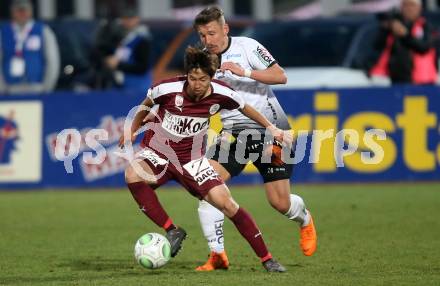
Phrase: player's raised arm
{"type": "Point", "coordinates": [281, 135]}
{"type": "Point", "coordinates": [271, 75]}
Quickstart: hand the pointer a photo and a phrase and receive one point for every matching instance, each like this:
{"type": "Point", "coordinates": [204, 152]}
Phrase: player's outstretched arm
{"type": "Point", "coordinates": [141, 114]}
{"type": "Point", "coordinates": [281, 135]}
{"type": "Point", "coordinates": [143, 111]}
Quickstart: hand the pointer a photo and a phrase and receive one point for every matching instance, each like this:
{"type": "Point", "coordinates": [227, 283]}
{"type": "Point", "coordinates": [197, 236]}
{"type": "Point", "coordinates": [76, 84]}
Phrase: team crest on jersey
{"type": "Point", "coordinates": [179, 102]}
{"type": "Point", "coordinates": [214, 108]}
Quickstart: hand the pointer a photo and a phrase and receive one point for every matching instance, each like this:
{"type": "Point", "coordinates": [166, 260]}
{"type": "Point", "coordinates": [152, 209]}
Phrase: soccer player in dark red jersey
{"type": "Point", "coordinates": [174, 149]}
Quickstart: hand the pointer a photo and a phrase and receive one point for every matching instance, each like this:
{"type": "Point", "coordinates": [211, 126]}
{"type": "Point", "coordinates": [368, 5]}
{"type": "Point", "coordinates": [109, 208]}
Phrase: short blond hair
{"type": "Point", "coordinates": [208, 15]}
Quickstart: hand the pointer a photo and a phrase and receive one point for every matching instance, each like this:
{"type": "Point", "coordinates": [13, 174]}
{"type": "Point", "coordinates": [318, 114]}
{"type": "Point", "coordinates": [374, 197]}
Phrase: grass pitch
{"type": "Point", "coordinates": [368, 235]}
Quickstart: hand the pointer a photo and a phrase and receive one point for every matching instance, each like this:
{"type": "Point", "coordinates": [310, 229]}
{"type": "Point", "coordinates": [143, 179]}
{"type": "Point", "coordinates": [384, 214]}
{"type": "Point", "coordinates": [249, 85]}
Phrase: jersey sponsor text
{"type": "Point", "coordinates": [184, 126]}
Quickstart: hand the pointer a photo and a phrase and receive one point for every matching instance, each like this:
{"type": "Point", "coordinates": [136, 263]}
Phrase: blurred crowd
{"type": "Point", "coordinates": [30, 60]}
{"type": "Point", "coordinates": [30, 57]}
{"type": "Point", "coordinates": [121, 52]}
{"type": "Point", "coordinates": [405, 46]}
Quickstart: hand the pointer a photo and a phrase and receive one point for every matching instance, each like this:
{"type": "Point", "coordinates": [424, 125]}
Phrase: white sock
{"type": "Point", "coordinates": [211, 220]}
{"type": "Point", "coordinates": [298, 211]}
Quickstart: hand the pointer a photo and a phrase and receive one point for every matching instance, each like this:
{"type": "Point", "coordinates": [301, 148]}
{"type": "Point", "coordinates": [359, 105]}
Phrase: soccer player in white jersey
{"type": "Point", "coordinates": [249, 68]}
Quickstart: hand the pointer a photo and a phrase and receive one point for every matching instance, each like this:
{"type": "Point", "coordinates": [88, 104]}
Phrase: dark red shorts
{"type": "Point", "coordinates": [197, 176]}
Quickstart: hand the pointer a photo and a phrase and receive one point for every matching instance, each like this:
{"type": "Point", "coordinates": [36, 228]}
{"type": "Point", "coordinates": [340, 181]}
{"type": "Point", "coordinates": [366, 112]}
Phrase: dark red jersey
{"type": "Point", "coordinates": [181, 123]}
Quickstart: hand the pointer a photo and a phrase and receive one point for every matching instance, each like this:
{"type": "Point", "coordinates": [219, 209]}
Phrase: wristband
{"type": "Point", "coordinates": [247, 73]}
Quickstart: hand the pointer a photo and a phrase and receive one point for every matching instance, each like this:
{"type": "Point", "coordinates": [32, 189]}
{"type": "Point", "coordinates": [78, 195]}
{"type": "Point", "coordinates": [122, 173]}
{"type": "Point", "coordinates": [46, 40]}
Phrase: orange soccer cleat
{"type": "Point", "coordinates": [215, 261]}
{"type": "Point", "coordinates": [308, 240]}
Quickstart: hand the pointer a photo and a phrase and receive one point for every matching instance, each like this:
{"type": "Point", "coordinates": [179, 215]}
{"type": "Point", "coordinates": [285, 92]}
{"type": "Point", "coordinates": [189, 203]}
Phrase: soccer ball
{"type": "Point", "coordinates": [152, 250]}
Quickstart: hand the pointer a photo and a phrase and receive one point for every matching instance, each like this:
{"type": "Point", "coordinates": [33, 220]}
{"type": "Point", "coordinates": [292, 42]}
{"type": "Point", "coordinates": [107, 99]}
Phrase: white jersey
{"type": "Point", "coordinates": [250, 54]}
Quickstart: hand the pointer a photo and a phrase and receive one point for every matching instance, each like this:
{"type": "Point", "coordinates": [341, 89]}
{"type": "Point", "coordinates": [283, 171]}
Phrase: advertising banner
{"type": "Point", "coordinates": [346, 135]}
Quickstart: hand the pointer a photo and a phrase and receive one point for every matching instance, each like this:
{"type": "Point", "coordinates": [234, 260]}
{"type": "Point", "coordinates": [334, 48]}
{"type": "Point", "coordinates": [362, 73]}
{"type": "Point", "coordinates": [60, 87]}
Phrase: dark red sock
{"type": "Point", "coordinates": [249, 230]}
{"type": "Point", "coordinates": [149, 204]}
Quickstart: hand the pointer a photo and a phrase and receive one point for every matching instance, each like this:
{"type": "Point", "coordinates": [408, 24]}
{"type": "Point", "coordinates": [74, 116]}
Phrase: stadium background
{"type": "Point", "coordinates": [389, 232]}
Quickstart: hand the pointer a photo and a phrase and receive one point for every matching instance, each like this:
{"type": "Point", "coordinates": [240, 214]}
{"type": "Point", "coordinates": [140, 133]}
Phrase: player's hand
{"type": "Point", "coordinates": [122, 140]}
{"type": "Point", "coordinates": [284, 136]}
{"type": "Point", "coordinates": [233, 67]}
{"type": "Point", "coordinates": [287, 137]}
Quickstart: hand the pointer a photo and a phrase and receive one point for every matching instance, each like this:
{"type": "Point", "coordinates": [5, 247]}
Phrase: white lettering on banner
{"type": "Point", "coordinates": [201, 170]}
{"type": "Point", "coordinates": [112, 165]}
{"type": "Point", "coordinates": [92, 140]}
{"type": "Point", "coordinates": [113, 126]}
{"type": "Point", "coordinates": [65, 150]}
{"type": "Point", "coordinates": [184, 126]}
{"type": "Point", "coordinates": [152, 157]}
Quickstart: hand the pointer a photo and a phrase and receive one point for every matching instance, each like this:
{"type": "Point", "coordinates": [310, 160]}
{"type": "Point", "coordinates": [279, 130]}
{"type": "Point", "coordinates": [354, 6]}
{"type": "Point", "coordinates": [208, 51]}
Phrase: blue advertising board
{"type": "Point", "coordinates": [333, 126]}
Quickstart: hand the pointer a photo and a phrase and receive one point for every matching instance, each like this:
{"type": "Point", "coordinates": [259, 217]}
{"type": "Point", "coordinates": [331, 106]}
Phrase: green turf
{"type": "Point", "coordinates": [368, 235]}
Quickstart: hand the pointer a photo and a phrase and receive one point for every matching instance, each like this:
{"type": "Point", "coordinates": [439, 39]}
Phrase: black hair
{"type": "Point", "coordinates": [197, 58]}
